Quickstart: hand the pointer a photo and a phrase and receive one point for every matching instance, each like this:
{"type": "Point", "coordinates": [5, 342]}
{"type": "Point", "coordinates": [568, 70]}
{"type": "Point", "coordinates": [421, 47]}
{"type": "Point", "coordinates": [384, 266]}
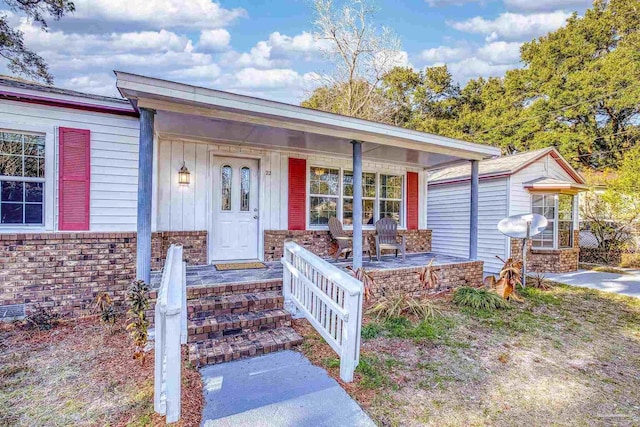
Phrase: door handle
{"type": "Point", "coordinates": [255, 217]}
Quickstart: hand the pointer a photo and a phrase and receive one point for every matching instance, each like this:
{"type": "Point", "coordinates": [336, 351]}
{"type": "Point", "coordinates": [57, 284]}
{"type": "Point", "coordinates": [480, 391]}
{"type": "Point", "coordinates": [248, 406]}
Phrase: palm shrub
{"type": "Point", "coordinates": [138, 324]}
{"type": "Point", "coordinates": [479, 299]}
{"type": "Point", "coordinates": [398, 304]}
{"type": "Point", "coordinates": [106, 310]}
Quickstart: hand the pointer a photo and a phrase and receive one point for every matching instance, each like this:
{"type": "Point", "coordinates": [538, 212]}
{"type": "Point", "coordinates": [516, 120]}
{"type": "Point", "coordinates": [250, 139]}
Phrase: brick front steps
{"type": "Point", "coordinates": [237, 320]}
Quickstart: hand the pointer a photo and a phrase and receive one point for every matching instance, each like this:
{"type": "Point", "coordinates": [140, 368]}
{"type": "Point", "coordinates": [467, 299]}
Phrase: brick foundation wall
{"type": "Point", "coordinates": [407, 280]}
{"type": "Point", "coordinates": [319, 241]}
{"type": "Point", "coordinates": [65, 271]}
{"type": "Point", "coordinates": [549, 260]}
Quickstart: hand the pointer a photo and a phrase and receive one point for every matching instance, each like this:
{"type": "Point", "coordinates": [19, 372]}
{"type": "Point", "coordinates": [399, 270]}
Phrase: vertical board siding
{"type": "Point", "coordinates": [74, 179]}
{"type": "Point", "coordinates": [448, 209]}
{"type": "Point", "coordinates": [412, 200]}
{"type": "Point", "coordinates": [297, 194]}
{"type": "Point", "coordinates": [114, 159]}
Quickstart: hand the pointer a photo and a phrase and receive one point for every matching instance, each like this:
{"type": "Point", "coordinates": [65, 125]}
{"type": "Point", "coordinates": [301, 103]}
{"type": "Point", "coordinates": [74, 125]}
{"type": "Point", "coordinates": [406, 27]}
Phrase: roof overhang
{"type": "Point", "coordinates": [298, 127]}
{"type": "Point", "coordinates": [554, 186]}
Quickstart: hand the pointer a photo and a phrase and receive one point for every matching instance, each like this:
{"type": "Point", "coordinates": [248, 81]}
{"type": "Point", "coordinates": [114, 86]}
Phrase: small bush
{"type": "Point", "coordinates": [400, 304]}
{"type": "Point", "coordinates": [631, 260]}
{"type": "Point", "coordinates": [138, 324]}
{"type": "Point", "coordinates": [479, 299]}
{"type": "Point", "coordinates": [106, 310]}
{"type": "Point", "coordinates": [43, 319]}
{"type": "Point", "coordinates": [371, 330]}
{"type": "Point", "coordinates": [372, 376]}
{"type": "Point", "coordinates": [537, 281]}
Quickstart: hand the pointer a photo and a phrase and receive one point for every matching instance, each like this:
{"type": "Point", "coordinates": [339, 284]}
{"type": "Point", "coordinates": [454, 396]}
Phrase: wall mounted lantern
{"type": "Point", "coordinates": [183, 175]}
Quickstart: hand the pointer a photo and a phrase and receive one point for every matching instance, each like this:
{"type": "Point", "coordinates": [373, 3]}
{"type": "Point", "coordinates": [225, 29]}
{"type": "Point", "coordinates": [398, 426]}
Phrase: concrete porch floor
{"type": "Point", "coordinates": [208, 275]}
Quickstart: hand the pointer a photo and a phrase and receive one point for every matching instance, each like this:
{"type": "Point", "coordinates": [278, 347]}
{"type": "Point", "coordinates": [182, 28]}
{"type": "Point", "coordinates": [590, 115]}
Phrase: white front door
{"type": "Point", "coordinates": [235, 209]}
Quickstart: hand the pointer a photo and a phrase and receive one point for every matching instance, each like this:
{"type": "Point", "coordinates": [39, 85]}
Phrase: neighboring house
{"type": "Point", "coordinates": [539, 181]}
{"type": "Point", "coordinates": [230, 177]}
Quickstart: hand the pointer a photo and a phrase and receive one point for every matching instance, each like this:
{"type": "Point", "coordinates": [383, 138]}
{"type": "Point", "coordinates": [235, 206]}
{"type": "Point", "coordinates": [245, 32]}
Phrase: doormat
{"type": "Point", "coordinates": [239, 266]}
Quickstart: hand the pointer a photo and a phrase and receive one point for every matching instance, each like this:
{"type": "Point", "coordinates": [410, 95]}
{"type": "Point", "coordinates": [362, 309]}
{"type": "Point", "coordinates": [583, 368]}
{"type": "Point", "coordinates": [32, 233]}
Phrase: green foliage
{"type": "Point", "coordinates": [20, 59]}
{"type": "Point", "coordinates": [106, 310]}
{"type": "Point", "coordinates": [138, 324]}
{"type": "Point", "coordinates": [370, 369]}
{"type": "Point", "coordinates": [43, 319]}
{"type": "Point", "coordinates": [430, 329]}
{"type": "Point", "coordinates": [331, 362]}
{"type": "Point", "coordinates": [371, 330]}
{"type": "Point", "coordinates": [478, 299]}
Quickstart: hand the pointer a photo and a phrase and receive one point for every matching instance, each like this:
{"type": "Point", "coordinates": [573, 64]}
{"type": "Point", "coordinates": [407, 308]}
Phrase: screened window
{"type": "Point", "coordinates": [245, 188]}
{"type": "Point", "coordinates": [225, 188]}
{"type": "Point", "coordinates": [21, 178]}
{"type": "Point", "coordinates": [331, 195]}
{"type": "Point", "coordinates": [558, 209]}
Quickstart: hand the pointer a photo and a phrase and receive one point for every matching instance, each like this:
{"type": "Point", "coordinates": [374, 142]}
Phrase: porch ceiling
{"type": "Point", "coordinates": [194, 112]}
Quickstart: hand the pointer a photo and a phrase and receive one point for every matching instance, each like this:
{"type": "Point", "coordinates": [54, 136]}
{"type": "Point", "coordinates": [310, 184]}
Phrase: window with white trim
{"type": "Point", "coordinates": [558, 209]}
{"type": "Point", "coordinates": [22, 163]}
{"type": "Point", "coordinates": [331, 196]}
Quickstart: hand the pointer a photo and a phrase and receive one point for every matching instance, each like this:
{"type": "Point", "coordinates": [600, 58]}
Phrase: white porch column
{"type": "Point", "coordinates": [357, 204]}
{"type": "Point", "coordinates": [145, 172]}
{"type": "Point", "coordinates": [473, 220]}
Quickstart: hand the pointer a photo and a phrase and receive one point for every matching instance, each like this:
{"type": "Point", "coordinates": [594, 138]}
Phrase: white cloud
{"type": "Point", "coordinates": [500, 52]}
{"type": "Point", "coordinates": [546, 5]}
{"type": "Point", "coordinates": [273, 78]}
{"type": "Point", "coordinates": [444, 54]}
{"type": "Point", "coordinates": [161, 13]}
{"type": "Point", "coordinates": [474, 67]}
{"type": "Point", "coordinates": [513, 26]}
{"type": "Point", "coordinates": [216, 39]}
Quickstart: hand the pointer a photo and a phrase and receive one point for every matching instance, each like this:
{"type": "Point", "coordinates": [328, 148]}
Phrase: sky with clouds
{"type": "Point", "coordinates": [265, 48]}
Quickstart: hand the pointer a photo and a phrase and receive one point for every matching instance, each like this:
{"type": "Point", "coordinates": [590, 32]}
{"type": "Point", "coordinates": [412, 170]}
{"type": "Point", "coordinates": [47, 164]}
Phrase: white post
{"type": "Point", "coordinates": [357, 204]}
{"type": "Point", "coordinates": [159, 402]}
{"type": "Point", "coordinates": [349, 339]}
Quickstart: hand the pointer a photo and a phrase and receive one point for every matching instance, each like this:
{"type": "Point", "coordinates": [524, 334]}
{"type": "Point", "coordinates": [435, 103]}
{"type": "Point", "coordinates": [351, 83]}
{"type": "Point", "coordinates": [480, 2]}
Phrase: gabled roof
{"type": "Point", "coordinates": [503, 166]}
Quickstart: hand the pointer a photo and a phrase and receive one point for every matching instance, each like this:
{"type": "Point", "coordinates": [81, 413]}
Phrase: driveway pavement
{"type": "Point", "coordinates": [624, 284]}
{"type": "Point", "coordinates": [278, 389]}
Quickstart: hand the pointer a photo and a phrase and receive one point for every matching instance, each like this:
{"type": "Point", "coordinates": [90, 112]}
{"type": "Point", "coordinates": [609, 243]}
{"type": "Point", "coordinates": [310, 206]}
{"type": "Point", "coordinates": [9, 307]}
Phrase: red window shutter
{"type": "Point", "coordinates": [412, 200]}
{"type": "Point", "coordinates": [74, 179]}
{"type": "Point", "coordinates": [297, 193]}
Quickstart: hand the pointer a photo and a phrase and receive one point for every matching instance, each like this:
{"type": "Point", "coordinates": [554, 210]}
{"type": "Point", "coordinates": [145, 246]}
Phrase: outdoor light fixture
{"type": "Point", "coordinates": [183, 175]}
{"type": "Point", "coordinates": [319, 171]}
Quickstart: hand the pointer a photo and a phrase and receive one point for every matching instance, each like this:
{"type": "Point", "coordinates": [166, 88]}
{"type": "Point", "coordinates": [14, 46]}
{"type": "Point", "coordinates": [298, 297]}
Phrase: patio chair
{"type": "Point", "coordinates": [345, 242]}
{"type": "Point", "coordinates": [387, 237]}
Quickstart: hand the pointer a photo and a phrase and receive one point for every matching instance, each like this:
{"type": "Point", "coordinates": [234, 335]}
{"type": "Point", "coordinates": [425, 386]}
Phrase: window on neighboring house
{"type": "Point", "coordinates": [331, 195]}
{"type": "Point", "coordinates": [558, 209]}
{"type": "Point", "coordinates": [22, 178]}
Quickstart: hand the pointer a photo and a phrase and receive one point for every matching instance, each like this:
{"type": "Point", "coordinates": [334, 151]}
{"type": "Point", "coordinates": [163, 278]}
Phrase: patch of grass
{"type": "Point", "coordinates": [370, 369]}
{"type": "Point", "coordinates": [539, 296]}
{"type": "Point", "coordinates": [371, 330]}
{"type": "Point", "coordinates": [331, 362]}
{"type": "Point", "coordinates": [479, 299]}
{"type": "Point", "coordinates": [393, 363]}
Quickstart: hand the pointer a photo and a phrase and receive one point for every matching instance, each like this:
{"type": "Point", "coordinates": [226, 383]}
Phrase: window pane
{"type": "Point", "coordinates": [226, 188]}
{"type": "Point", "coordinates": [33, 191]}
{"type": "Point", "coordinates": [324, 181]}
{"type": "Point", "coordinates": [10, 165]}
{"type": "Point", "coordinates": [31, 168]}
{"type": "Point", "coordinates": [245, 187]}
{"type": "Point", "coordinates": [11, 144]}
{"type": "Point", "coordinates": [12, 191]}
{"type": "Point", "coordinates": [544, 239]}
{"type": "Point", "coordinates": [368, 184]}
{"type": "Point", "coordinates": [367, 212]}
{"type": "Point", "coordinates": [36, 149]}
{"type": "Point", "coordinates": [390, 187]}
{"type": "Point", "coordinates": [565, 207]}
{"type": "Point", "coordinates": [322, 208]}
{"type": "Point", "coordinates": [390, 209]}
{"type": "Point", "coordinates": [33, 213]}
{"type": "Point", "coordinates": [11, 213]}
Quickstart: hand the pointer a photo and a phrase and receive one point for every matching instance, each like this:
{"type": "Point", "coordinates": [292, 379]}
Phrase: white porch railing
{"type": "Point", "coordinates": [329, 298]}
{"type": "Point", "coordinates": [170, 333]}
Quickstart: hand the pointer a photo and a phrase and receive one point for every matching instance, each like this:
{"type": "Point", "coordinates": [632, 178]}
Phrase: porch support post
{"type": "Point", "coordinates": [473, 219]}
{"type": "Point", "coordinates": [145, 172]}
{"type": "Point", "coordinates": [357, 204]}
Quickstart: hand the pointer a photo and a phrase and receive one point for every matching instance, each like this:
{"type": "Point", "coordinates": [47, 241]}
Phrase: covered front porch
{"type": "Point", "coordinates": [256, 169]}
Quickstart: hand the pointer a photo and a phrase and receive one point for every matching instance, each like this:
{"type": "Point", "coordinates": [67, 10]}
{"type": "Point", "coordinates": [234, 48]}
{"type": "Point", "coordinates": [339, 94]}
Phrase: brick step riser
{"type": "Point", "coordinates": [202, 311]}
{"type": "Point", "coordinates": [197, 292]}
{"type": "Point", "coordinates": [229, 331]}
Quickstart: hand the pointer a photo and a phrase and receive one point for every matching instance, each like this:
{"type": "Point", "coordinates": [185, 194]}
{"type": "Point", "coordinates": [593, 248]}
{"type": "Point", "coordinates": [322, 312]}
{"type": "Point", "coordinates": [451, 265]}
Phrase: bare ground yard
{"type": "Point", "coordinates": [80, 374]}
{"type": "Point", "coordinates": [566, 356]}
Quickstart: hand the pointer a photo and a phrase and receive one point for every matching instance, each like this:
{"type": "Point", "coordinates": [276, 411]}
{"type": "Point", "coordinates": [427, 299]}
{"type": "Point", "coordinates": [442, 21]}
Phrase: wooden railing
{"type": "Point", "coordinates": [329, 298]}
{"type": "Point", "coordinates": [170, 333]}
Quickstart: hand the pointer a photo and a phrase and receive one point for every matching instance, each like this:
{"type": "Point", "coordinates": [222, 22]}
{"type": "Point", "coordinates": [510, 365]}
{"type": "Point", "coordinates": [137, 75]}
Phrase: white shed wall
{"type": "Point", "coordinates": [114, 161]}
{"type": "Point", "coordinates": [448, 218]}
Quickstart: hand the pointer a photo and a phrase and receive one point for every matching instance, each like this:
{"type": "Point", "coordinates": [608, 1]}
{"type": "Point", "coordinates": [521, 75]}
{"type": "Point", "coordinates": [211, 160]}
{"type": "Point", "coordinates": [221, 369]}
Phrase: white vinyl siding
{"type": "Point", "coordinates": [448, 217]}
{"type": "Point", "coordinates": [114, 159]}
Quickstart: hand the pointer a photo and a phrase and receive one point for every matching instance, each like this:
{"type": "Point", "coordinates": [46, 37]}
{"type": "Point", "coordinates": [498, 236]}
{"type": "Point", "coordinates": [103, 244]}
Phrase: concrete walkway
{"type": "Point", "coordinates": [624, 284]}
{"type": "Point", "coordinates": [278, 389]}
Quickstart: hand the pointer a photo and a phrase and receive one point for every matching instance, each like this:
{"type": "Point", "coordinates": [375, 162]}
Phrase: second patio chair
{"type": "Point", "coordinates": [387, 237]}
{"type": "Point", "coordinates": [345, 241]}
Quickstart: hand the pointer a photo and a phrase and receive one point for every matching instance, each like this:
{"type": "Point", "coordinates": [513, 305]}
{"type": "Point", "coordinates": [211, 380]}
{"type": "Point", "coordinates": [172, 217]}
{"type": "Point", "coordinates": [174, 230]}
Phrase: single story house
{"type": "Point", "coordinates": [539, 181]}
{"type": "Point", "coordinates": [95, 189]}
